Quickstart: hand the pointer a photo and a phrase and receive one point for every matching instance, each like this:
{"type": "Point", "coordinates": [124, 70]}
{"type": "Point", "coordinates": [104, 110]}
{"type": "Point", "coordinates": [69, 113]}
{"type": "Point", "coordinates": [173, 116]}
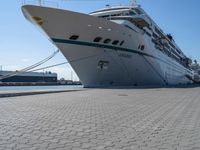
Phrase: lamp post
{"type": "Point", "coordinates": [72, 75]}
{"type": "Point", "coordinates": [40, 2]}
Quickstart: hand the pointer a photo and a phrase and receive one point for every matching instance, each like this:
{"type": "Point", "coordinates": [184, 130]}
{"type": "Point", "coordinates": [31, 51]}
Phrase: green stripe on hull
{"type": "Point", "coordinates": [99, 46]}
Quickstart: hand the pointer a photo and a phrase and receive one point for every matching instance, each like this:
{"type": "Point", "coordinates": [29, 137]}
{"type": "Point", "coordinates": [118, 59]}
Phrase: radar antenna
{"type": "Point", "coordinates": [134, 2]}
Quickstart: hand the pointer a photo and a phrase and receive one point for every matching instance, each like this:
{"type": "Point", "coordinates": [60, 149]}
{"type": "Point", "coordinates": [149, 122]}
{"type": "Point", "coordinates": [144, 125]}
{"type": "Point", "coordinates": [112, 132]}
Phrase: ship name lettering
{"type": "Point", "coordinates": [125, 55]}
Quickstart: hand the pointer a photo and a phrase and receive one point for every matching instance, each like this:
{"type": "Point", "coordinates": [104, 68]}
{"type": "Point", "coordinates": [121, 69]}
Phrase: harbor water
{"type": "Point", "coordinates": [31, 88]}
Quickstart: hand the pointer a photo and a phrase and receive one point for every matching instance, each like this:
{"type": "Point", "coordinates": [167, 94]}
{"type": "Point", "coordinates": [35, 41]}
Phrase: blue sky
{"type": "Point", "coordinates": [22, 44]}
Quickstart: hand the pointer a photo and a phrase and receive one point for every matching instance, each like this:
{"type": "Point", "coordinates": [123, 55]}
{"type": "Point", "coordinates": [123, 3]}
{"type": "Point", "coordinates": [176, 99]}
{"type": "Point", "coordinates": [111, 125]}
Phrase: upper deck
{"type": "Point", "coordinates": [118, 11]}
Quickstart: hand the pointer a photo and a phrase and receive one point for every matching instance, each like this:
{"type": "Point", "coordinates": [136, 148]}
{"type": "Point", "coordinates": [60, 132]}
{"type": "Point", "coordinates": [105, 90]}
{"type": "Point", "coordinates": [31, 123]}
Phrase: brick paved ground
{"type": "Point", "coordinates": [103, 119]}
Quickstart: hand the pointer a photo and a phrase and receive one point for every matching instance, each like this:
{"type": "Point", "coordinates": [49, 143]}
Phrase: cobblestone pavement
{"type": "Point", "coordinates": [103, 119]}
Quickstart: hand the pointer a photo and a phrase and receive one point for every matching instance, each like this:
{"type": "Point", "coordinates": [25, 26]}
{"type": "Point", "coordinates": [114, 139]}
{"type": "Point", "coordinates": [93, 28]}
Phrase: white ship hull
{"type": "Point", "coordinates": [99, 64]}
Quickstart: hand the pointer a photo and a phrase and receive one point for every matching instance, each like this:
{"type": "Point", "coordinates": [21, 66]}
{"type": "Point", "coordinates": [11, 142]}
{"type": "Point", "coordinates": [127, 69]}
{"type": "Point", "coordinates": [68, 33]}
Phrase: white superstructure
{"type": "Point", "coordinates": [113, 46]}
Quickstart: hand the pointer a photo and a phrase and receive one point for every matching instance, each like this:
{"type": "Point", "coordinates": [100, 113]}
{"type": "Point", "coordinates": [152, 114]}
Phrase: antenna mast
{"type": "Point", "coordinates": [134, 2]}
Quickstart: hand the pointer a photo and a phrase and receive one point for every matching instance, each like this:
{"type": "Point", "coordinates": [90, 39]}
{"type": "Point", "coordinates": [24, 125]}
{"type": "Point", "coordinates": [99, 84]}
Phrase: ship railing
{"type": "Point", "coordinates": [45, 3]}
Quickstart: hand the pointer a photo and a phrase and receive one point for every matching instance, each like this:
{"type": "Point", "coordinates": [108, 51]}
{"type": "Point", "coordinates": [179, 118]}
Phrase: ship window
{"type": "Point", "coordinates": [126, 14]}
{"type": "Point", "coordinates": [159, 32]}
{"type": "Point", "coordinates": [138, 11]}
{"type": "Point", "coordinates": [97, 39]}
{"type": "Point", "coordinates": [122, 42]}
{"type": "Point", "coordinates": [149, 34]}
{"type": "Point", "coordinates": [107, 41]}
{"type": "Point", "coordinates": [115, 42]}
{"type": "Point", "coordinates": [105, 16]}
{"type": "Point", "coordinates": [167, 46]}
{"type": "Point", "coordinates": [116, 15]}
{"type": "Point", "coordinates": [155, 36]}
{"type": "Point", "coordinates": [74, 37]}
{"type": "Point", "coordinates": [131, 13]}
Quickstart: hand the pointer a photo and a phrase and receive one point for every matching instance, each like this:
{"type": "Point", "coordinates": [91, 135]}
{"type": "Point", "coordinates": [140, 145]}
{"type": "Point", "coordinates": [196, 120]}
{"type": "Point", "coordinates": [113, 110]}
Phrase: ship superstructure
{"type": "Point", "coordinates": [141, 22]}
{"type": "Point", "coordinates": [114, 46]}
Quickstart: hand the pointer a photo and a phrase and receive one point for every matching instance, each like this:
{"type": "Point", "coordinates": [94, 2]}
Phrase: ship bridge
{"type": "Point", "coordinates": [133, 14]}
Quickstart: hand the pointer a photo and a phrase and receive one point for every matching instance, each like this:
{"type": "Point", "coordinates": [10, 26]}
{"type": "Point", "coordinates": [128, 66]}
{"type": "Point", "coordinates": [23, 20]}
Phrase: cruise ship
{"type": "Point", "coordinates": [113, 46]}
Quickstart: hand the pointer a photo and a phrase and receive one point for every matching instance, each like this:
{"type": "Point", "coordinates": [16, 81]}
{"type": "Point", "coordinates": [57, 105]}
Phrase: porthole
{"type": "Point", "coordinates": [122, 42]}
{"type": "Point", "coordinates": [142, 47]}
{"type": "Point", "coordinates": [106, 41]}
{"type": "Point", "coordinates": [74, 37]}
{"type": "Point", "coordinates": [97, 39]}
{"type": "Point", "coordinates": [115, 42]}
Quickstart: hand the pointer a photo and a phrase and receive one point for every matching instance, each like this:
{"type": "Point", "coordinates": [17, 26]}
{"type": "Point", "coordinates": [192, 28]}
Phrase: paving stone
{"type": "Point", "coordinates": [102, 119]}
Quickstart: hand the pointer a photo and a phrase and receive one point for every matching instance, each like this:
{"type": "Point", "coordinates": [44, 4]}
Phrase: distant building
{"type": "Point", "coordinates": [62, 81]}
{"type": "Point", "coordinates": [30, 77]}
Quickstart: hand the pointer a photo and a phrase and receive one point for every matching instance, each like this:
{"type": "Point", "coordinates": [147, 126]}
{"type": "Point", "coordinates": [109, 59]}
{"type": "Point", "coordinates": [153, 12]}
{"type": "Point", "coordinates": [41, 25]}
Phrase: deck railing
{"type": "Point", "coordinates": [45, 3]}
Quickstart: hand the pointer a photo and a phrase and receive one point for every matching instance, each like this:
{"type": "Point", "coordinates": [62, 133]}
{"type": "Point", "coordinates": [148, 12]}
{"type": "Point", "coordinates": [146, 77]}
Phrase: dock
{"type": "Point", "coordinates": [102, 119]}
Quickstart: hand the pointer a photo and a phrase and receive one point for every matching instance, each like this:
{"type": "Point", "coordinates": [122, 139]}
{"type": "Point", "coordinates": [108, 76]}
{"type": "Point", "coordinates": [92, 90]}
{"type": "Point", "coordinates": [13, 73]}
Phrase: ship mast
{"type": "Point", "coordinates": [134, 2]}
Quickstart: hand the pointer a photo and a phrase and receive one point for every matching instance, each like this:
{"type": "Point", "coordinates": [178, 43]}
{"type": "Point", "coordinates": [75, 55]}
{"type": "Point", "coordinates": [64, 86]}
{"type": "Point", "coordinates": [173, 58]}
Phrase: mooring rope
{"type": "Point", "coordinates": [30, 68]}
{"type": "Point", "coordinates": [75, 60]}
